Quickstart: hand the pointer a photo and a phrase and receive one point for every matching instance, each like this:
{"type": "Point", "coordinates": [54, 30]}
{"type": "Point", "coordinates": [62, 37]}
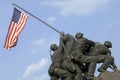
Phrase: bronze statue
{"type": "Point", "coordinates": [76, 59]}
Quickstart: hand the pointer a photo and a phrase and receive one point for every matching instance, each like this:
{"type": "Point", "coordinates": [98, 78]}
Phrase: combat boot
{"type": "Point", "coordinates": [101, 69]}
{"type": "Point", "coordinates": [89, 77]}
{"type": "Point", "coordinates": [106, 63]}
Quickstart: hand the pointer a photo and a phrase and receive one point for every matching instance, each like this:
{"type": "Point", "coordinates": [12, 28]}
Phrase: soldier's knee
{"type": "Point", "coordinates": [56, 70]}
{"type": "Point", "coordinates": [69, 78]}
{"type": "Point", "coordinates": [69, 75]}
{"type": "Point", "coordinates": [54, 78]}
{"type": "Point", "coordinates": [111, 58]}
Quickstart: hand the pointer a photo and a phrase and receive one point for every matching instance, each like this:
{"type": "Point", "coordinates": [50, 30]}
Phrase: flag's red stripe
{"type": "Point", "coordinates": [14, 37]}
{"type": "Point", "coordinates": [12, 33]}
{"type": "Point", "coordinates": [20, 22]}
{"type": "Point", "coordinates": [20, 26]}
{"type": "Point", "coordinates": [8, 35]}
{"type": "Point", "coordinates": [12, 23]}
{"type": "Point", "coordinates": [6, 40]}
{"type": "Point", "coordinates": [23, 24]}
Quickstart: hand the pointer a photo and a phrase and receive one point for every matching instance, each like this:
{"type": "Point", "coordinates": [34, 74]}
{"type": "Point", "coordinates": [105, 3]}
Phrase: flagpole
{"type": "Point", "coordinates": [37, 18]}
{"type": "Point", "coordinates": [48, 26]}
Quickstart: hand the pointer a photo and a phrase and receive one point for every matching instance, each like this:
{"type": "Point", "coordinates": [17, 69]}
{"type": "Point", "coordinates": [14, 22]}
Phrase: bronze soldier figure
{"type": "Point", "coordinates": [56, 71]}
{"type": "Point", "coordinates": [69, 44]}
{"type": "Point", "coordinates": [57, 68]}
{"type": "Point", "coordinates": [104, 55]}
{"type": "Point", "coordinates": [82, 47]}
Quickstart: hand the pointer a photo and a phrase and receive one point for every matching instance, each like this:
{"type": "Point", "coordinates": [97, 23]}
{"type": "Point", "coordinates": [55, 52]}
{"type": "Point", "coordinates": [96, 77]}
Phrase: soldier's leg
{"type": "Point", "coordinates": [78, 72]}
{"type": "Point", "coordinates": [91, 70]}
{"type": "Point", "coordinates": [68, 65]}
{"type": "Point", "coordinates": [92, 60]}
{"type": "Point", "coordinates": [54, 78]}
{"type": "Point", "coordinates": [72, 67]}
{"type": "Point", "coordinates": [107, 60]}
{"type": "Point", "coordinates": [86, 70]}
{"type": "Point", "coordinates": [64, 74]}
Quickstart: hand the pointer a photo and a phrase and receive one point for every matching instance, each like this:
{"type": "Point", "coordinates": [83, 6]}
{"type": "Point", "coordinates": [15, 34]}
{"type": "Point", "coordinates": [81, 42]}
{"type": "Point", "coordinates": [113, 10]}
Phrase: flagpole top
{"type": "Point", "coordinates": [13, 4]}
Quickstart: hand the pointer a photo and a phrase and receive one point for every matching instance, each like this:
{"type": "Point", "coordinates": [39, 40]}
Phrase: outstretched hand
{"type": "Point", "coordinates": [62, 34]}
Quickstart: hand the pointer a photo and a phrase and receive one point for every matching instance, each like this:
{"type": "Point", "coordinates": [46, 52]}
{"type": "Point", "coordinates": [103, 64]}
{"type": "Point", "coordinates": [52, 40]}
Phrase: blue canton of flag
{"type": "Point", "coordinates": [16, 15]}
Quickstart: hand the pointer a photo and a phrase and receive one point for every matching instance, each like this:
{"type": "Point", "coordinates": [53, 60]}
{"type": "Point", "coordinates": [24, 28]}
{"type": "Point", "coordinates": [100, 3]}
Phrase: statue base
{"type": "Point", "coordinates": [108, 76]}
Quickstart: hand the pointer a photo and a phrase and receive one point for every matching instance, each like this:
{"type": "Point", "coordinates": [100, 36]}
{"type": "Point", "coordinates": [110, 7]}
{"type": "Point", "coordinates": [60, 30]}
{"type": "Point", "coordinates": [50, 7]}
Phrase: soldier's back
{"type": "Point", "coordinates": [98, 49]}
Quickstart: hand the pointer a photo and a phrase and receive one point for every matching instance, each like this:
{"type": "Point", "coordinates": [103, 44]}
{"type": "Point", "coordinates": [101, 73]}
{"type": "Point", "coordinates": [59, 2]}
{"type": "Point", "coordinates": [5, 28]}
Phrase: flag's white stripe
{"type": "Point", "coordinates": [14, 37]}
{"type": "Point", "coordinates": [20, 27]}
{"type": "Point", "coordinates": [8, 35]}
{"type": "Point", "coordinates": [12, 34]}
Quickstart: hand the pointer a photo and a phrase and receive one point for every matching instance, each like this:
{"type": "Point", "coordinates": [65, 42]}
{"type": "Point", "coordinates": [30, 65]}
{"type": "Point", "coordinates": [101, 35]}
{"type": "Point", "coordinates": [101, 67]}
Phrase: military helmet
{"type": "Point", "coordinates": [108, 43]}
{"type": "Point", "coordinates": [53, 47]}
{"type": "Point", "coordinates": [78, 35]}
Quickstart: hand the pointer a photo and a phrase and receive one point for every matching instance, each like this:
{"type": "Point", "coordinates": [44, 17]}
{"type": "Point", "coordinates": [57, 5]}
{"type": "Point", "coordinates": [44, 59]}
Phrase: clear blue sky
{"type": "Point", "coordinates": [99, 20]}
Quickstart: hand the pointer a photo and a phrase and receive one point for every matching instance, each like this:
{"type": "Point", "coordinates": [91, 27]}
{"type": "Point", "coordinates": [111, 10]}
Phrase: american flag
{"type": "Point", "coordinates": [17, 24]}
